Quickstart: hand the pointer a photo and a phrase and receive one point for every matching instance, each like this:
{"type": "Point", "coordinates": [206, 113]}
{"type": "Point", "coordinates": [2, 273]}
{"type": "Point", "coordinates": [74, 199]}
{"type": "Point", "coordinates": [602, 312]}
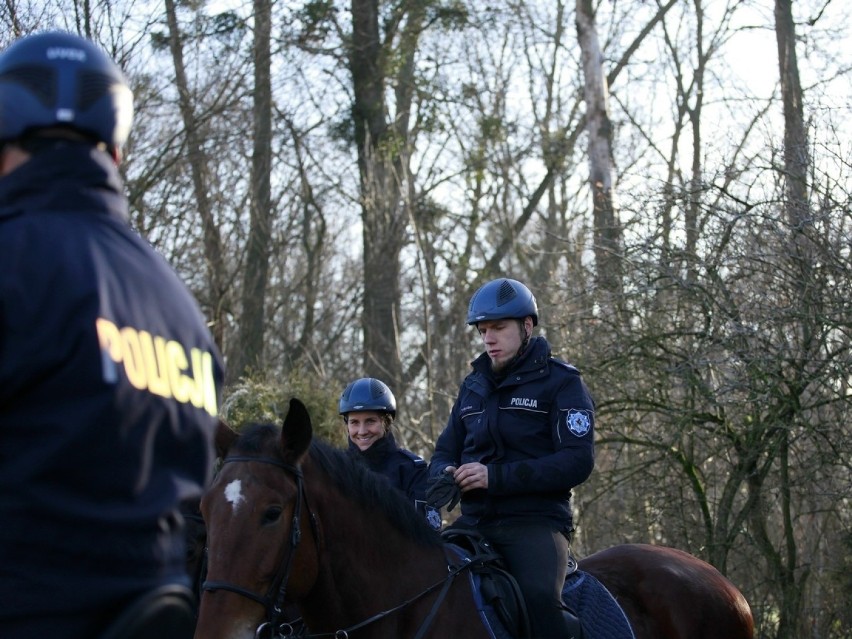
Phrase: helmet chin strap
{"type": "Point", "coordinates": [524, 343]}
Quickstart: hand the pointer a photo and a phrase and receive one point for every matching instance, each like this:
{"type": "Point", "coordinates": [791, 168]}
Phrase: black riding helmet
{"type": "Point", "coordinates": [502, 299]}
{"type": "Point", "coordinates": [367, 393]}
{"type": "Point", "coordinates": [57, 79]}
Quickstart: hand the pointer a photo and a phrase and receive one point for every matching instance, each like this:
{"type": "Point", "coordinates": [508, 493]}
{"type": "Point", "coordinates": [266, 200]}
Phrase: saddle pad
{"type": "Point", "coordinates": [599, 612]}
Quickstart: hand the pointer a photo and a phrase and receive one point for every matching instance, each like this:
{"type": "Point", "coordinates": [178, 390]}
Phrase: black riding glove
{"type": "Point", "coordinates": [443, 491]}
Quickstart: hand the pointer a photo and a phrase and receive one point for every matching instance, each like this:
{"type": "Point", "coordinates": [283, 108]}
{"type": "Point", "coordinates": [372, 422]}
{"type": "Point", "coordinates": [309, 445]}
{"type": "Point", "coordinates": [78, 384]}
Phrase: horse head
{"type": "Point", "coordinates": [257, 500]}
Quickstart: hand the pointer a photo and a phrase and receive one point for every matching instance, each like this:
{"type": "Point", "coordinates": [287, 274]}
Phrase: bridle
{"type": "Point", "coordinates": [273, 601]}
{"type": "Point", "coordinates": [201, 570]}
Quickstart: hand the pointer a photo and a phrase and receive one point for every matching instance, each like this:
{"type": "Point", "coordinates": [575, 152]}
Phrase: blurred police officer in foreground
{"type": "Point", "coordinates": [109, 379]}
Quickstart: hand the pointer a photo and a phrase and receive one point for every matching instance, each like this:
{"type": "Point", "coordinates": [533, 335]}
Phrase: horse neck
{"type": "Point", "coordinates": [366, 565]}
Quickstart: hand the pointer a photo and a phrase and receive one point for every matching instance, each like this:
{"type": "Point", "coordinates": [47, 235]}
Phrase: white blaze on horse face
{"type": "Point", "coordinates": [234, 494]}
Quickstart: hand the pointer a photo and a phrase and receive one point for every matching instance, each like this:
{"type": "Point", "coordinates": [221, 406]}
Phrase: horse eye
{"type": "Point", "coordinates": [272, 514]}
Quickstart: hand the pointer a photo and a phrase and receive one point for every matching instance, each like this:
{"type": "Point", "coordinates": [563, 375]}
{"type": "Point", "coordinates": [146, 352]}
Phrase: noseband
{"type": "Point", "coordinates": [273, 600]}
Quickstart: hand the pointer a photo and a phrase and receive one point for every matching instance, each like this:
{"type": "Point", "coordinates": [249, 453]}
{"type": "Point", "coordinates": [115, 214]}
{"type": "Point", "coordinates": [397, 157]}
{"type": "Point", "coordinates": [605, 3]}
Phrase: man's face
{"type": "Point", "coordinates": [502, 340]}
{"type": "Point", "coordinates": [365, 428]}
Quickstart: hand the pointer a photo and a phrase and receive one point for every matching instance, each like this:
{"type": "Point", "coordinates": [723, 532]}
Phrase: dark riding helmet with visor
{"type": "Point", "coordinates": [59, 80]}
{"type": "Point", "coordinates": [367, 393]}
{"type": "Point", "coordinates": [502, 298]}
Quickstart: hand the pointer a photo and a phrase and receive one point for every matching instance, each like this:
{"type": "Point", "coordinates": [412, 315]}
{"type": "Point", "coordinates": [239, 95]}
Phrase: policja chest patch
{"type": "Point", "coordinates": [578, 422]}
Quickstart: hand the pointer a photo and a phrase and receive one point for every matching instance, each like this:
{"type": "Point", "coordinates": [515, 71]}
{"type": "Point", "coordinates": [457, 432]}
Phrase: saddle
{"type": "Point", "coordinates": [497, 586]}
{"type": "Point", "coordinates": [167, 612]}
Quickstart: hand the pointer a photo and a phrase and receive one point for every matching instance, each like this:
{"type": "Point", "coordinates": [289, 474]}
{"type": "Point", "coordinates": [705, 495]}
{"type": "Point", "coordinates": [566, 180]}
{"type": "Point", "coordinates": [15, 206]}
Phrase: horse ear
{"type": "Point", "coordinates": [296, 431]}
{"type": "Point", "coordinates": [224, 439]}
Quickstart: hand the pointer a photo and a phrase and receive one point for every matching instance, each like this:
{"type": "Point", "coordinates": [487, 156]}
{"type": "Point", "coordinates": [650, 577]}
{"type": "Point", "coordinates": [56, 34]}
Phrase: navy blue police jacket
{"type": "Point", "coordinates": [403, 469]}
{"type": "Point", "coordinates": [534, 431]}
{"type": "Point", "coordinates": [109, 389]}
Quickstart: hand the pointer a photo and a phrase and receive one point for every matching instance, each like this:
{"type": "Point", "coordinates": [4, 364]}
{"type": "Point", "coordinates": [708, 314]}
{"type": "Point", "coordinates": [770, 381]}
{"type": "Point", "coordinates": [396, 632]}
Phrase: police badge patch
{"type": "Point", "coordinates": [433, 518]}
{"type": "Point", "coordinates": [432, 514]}
{"type": "Point", "coordinates": [578, 422]}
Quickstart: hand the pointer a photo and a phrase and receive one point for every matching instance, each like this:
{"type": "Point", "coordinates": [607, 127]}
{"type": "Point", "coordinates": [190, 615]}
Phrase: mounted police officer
{"type": "Point", "coordinates": [519, 438]}
{"type": "Point", "coordinates": [109, 378]}
{"type": "Point", "coordinates": [368, 408]}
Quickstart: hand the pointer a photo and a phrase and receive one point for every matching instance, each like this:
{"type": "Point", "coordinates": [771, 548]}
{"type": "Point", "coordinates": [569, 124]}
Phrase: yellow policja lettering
{"type": "Point", "coordinates": [210, 396]}
{"type": "Point", "coordinates": [176, 363]}
{"type": "Point", "coordinates": [160, 366]}
{"type": "Point", "coordinates": [196, 391]}
{"type": "Point", "coordinates": [134, 364]}
{"type": "Point", "coordinates": [108, 336]}
{"type": "Point", "coordinates": [154, 353]}
{"type": "Point", "coordinates": [204, 395]}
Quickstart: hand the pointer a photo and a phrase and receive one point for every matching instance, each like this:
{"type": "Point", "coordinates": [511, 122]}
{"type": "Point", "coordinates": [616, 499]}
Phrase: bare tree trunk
{"type": "Point", "coordinates": [382, 170]}
{"type": "Point", "coordinates": [216, 299]}
{"type": "Point", "coordinates": [791, 578]}
{"type": "Point", "coordinates": [796, 161]}
{"type": "Point", "coordinates": [249, 355]}
{"type": "Point", "coordinates": [607, 229]}
{"type": "Point", "coordinates": [695, 196]}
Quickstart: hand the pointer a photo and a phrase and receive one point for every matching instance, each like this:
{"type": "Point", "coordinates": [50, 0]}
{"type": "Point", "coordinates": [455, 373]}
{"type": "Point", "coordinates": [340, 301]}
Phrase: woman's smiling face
{"type": "Point", "coordinates": [365, 428]}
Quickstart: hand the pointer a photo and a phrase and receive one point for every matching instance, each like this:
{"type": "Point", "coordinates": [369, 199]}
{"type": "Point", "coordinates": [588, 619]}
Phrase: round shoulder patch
{"type": "Point", "coordinates": [433, 518]}
{"type": "Point", "coordinates": [578, 422]}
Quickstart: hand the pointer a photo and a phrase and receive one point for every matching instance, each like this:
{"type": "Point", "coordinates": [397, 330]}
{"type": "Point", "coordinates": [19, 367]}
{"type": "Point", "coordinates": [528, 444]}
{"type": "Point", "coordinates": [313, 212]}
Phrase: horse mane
{"type": "Point", "coordinates": [351, 477]}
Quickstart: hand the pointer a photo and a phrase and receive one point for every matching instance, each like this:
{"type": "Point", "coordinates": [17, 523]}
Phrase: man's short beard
{"type": "Point", "coordinates": [499, 367]}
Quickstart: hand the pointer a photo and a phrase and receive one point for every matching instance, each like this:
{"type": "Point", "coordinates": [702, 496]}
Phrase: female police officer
{"type": "Point", "coordinates": [519, 438]}
{"type": "Point", "coordinates": [368, 408]}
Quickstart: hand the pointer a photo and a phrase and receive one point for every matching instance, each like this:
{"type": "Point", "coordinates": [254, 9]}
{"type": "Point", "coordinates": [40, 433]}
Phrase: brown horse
{"type": "Point", "coordinates": [291, 518]}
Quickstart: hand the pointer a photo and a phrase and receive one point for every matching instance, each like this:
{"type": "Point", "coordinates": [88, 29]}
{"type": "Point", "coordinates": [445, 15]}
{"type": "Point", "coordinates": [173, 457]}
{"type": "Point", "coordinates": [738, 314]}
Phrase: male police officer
{"type": "Point", "coordinates": [519, 438]}
{"type": "Point", "coordinates": [109, 379]}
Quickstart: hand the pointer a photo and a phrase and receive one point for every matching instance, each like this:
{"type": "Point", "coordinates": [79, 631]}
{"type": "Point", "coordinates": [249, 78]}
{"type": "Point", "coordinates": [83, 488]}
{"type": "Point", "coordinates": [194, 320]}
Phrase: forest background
{"type": "Point", "coordinates": [670, 177]}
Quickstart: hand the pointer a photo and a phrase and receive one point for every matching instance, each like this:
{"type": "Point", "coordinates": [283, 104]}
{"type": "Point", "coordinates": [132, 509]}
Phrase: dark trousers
{"type": "Point", "coordinates": [537, 557]}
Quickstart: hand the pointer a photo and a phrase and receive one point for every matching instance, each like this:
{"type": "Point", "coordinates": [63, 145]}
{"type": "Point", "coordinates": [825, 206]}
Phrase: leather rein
{"type": "Point", "coordinates": [273, 601]}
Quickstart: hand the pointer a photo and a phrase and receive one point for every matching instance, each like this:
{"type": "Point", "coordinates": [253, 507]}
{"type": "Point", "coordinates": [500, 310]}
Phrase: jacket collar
{"type": "Point", "coordinates": [73, 177]}
{"type": "Point", "coordinates": [376, 453]}
{"type": "Point", "coordinates": [533, 358]}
